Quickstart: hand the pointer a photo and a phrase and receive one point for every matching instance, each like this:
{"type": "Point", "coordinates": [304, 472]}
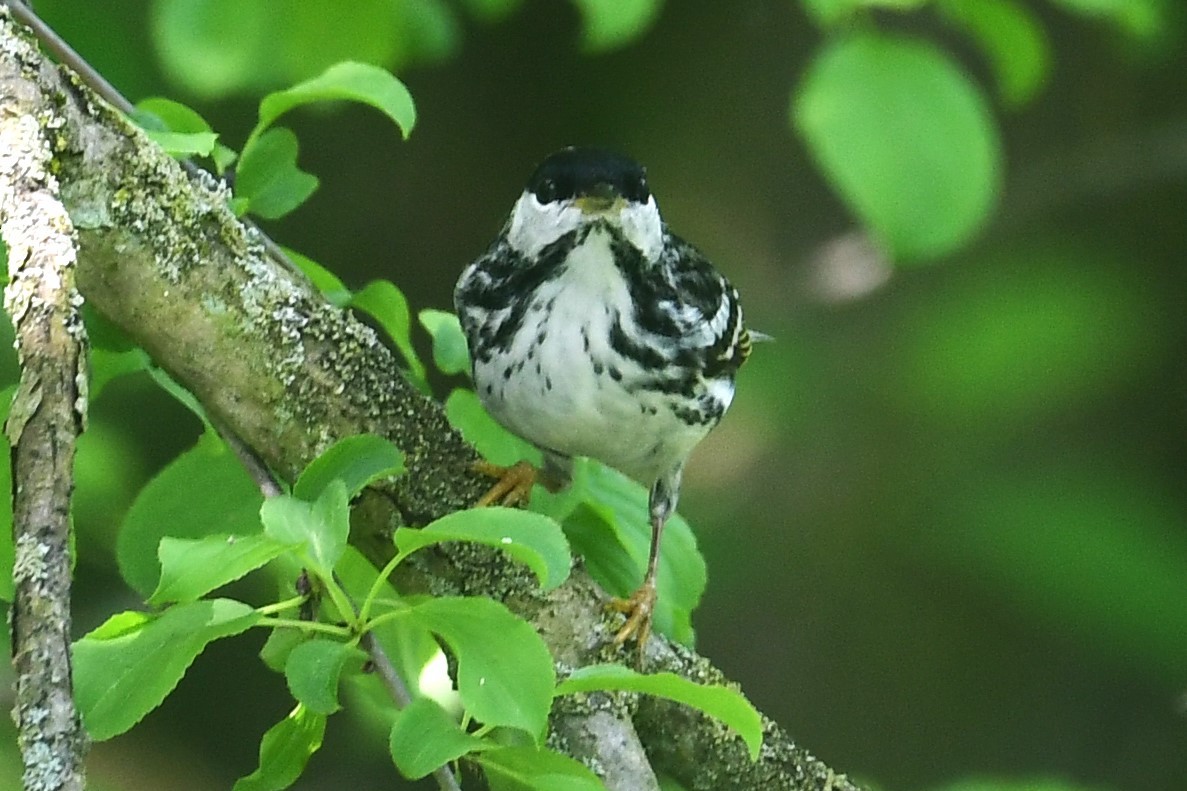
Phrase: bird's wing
{"type": "Point", "coordinates": [696, 312]}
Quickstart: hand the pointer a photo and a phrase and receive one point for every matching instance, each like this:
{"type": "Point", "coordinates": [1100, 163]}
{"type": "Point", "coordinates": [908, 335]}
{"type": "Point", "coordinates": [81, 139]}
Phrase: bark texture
{"type": "Point", "coordinates": [46, 417]}
{"type": "Point", "coordinates": [161, 256]}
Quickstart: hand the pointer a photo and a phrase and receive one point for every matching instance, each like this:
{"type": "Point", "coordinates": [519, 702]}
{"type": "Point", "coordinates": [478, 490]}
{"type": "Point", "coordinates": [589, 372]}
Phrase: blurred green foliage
{"type": "Point", "coordinates": [944, 521]}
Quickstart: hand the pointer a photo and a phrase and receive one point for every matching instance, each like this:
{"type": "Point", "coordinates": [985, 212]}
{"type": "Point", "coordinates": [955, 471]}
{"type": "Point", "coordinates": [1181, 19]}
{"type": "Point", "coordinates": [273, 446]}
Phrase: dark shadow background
{"type": "Point", "coordinates": [945, 519]}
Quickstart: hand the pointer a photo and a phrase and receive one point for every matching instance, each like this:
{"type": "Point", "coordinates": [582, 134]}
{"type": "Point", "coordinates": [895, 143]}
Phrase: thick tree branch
{"type": "Point", "coordinates": [46, 417]}
{"type": "Point", "coordinates": [162, 257]}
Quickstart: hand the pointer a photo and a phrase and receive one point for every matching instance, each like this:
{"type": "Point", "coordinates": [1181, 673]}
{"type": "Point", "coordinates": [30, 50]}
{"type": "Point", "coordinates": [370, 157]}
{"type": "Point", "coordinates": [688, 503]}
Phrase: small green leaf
{"type": "Point", "coordinates": [183, 144]}
{"type": "Point", "coordinates": [424, 737]}
{"type": "Point", "coordinates": [333, 289]}
{"type": "Point", "coordinates": [202, 492]}
{"type": "Point", "coordinates": [279, 645]}
{"type": "Point", "coordinates": [505, 672]}
{"type": "Point", "coordinates": [1012, 38]}
{"type": "Point", "coordinates": [322, 526]}
{"type": "Point", "coordinates": [357, 461]}
{"type": "Point", "coordinates": [529, 769]}
{"type": "Point", "coordinates": [466, 413]}
{"type": "Point", "coordinates": [107, 366]}
{"type": "Point", "coordinates": [535, 540]}
{"type": "Point", "coordinates": [356, 82]}
{"type": "Point", "coordinates": [191, 568]}
{"type": "Point", "coordinates": [183, 396]}
{"type": "Point", "coordinates": [382, 301]}
{"type": "Point", "coordinates": [450, 352]}
{"type": "Point", "coordinates": [169, 115]}
{"type": "Point", "coordinates": [268, 176]}
{"type": "Point", "coordinates": [722, 703]}
{"type": "Point", "coordinates": [284, 751]}
{"type": "Point", "coordinates": [610, 24]}
{"type": "Point", "coordinates": [906, 139]}
{"type": "Point", "coordinates": [313, 670]}
{"type": "Point", "coordinates": [126, 667]}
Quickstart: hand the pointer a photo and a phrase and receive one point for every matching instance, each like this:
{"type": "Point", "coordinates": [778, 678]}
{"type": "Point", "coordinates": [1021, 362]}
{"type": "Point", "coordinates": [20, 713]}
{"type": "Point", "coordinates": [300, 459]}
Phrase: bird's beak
{"type": "Point", "coordinates": [602, 199]}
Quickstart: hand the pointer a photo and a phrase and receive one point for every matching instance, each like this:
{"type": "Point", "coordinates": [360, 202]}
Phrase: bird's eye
{"type": "Point", "coordinates": [546, 191]}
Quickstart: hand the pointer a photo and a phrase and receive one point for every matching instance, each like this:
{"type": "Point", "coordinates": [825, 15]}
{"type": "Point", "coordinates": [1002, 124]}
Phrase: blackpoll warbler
{"type": "Point", "coordinates": [596, 332]}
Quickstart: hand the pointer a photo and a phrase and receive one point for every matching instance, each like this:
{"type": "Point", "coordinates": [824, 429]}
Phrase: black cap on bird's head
{"type": "Point", "coordinates": [594, 177]}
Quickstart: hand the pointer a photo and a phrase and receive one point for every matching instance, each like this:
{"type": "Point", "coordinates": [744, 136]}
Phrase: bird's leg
{"type": "Point", "coordinates": [513, 485]}
{"type": "Point", "coordinates": [640, 606]}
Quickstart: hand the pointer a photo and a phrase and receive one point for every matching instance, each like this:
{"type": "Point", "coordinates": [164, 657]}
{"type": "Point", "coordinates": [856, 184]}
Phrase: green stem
{"type": "Point", "coordinates": [377, 585]}
{"type": "Point", "coordinates": [281, 606]}
{"type": "Point", "coordinates": [367, 626]}
{"type": "Point", "coordinates": [309, 626]}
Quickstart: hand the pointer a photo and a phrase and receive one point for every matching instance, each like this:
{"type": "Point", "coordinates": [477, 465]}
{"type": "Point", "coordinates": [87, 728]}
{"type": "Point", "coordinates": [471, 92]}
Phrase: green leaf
{"type": "Point", "coordinates": [533, 539]}
{"type": "Point", "coordinates": [175, 127]}
{"type": "Point", "coordinates": [107, 366]}
{"type": "Point", "coordinates": [382, 301]}
{"type": "Point", "coordinates": [218, 47]}
{"type": "Point", "coordinates": [268, 176]}
{"type": "Point", "coordinates": [314, 668]}
{"type": "Point", "coordinates": [603, 513]}
{"type": "Point", "coordinates": [322, 526]}
{"type": "Point", "coordinates": [610, 24]}
{"type": "Point", "coordinates": [183, 396]}
{"type": "Point", "coordinates": [279, 645]}
{"type": "Point", "coordinates": [126, 667]}
{"type": "Point", "coordinates": [356, 82]}
{"type": "Point", "coordinates": [905, 137]}
{"type": "Point", "coordinates": [528, 769]}
{"type": "Point", "coordinates": [450, 352]}
{"type": "Point", "coordinates": [191, 568]}
{"type": "Point", "coordinates": [357, 461]}
{"type": "Point", "coordinates": [333, 289]}
{"type": "Point", "coordinates": [466, 413]}
{"type": "Point", "coordinates": [505, 672]}
{"type": "Point", "coordinates": [424, 737]}
{"type": "Point", "coordinates": [284, 751]}
{"type": "Point", "coordinates": [183, 145]}
{"type": "Point", "coordinates": [1013, 40]}
{"type": "Point", "coordinates": [170, 115]}
{"type": "Point", "coordinates": [204, 491]}
{"type": "Point", "coordinates": [722, 703]}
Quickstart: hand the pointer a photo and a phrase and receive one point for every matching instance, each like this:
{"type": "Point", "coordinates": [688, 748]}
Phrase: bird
{"type": "Point", "coordinates": [596, 332]}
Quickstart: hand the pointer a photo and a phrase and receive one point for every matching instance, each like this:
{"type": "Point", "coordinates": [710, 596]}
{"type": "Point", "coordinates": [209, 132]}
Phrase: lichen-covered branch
{"type": "Point", "coordinates": [162, 257]}
{"type": "Point", "coordinates": [46, 417]}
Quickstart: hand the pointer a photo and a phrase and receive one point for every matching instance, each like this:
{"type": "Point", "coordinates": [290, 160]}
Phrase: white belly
{"type": "Point", "coordinates": [547, 387]}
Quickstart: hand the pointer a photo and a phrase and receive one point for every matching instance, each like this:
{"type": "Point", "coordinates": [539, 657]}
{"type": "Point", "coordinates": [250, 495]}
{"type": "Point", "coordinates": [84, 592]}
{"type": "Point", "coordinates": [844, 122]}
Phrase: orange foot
{"type": "Point", "coordinates": [513, 485]}
{"type": "Point", "coordinates": [638, 609]}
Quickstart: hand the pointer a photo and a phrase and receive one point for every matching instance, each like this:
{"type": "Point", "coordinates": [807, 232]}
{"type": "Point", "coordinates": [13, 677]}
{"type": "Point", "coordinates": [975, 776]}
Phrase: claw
{"type": "Point", "coordinates": [638, 610]}
{"type": "Point", "coordinates": [513, 485]}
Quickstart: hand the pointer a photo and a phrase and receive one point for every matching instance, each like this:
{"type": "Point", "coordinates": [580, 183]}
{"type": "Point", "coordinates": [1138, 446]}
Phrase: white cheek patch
{"type": "Point", "coordinates": [643, 227]}
{"type": "Point", "coordinates": [536, 225]}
